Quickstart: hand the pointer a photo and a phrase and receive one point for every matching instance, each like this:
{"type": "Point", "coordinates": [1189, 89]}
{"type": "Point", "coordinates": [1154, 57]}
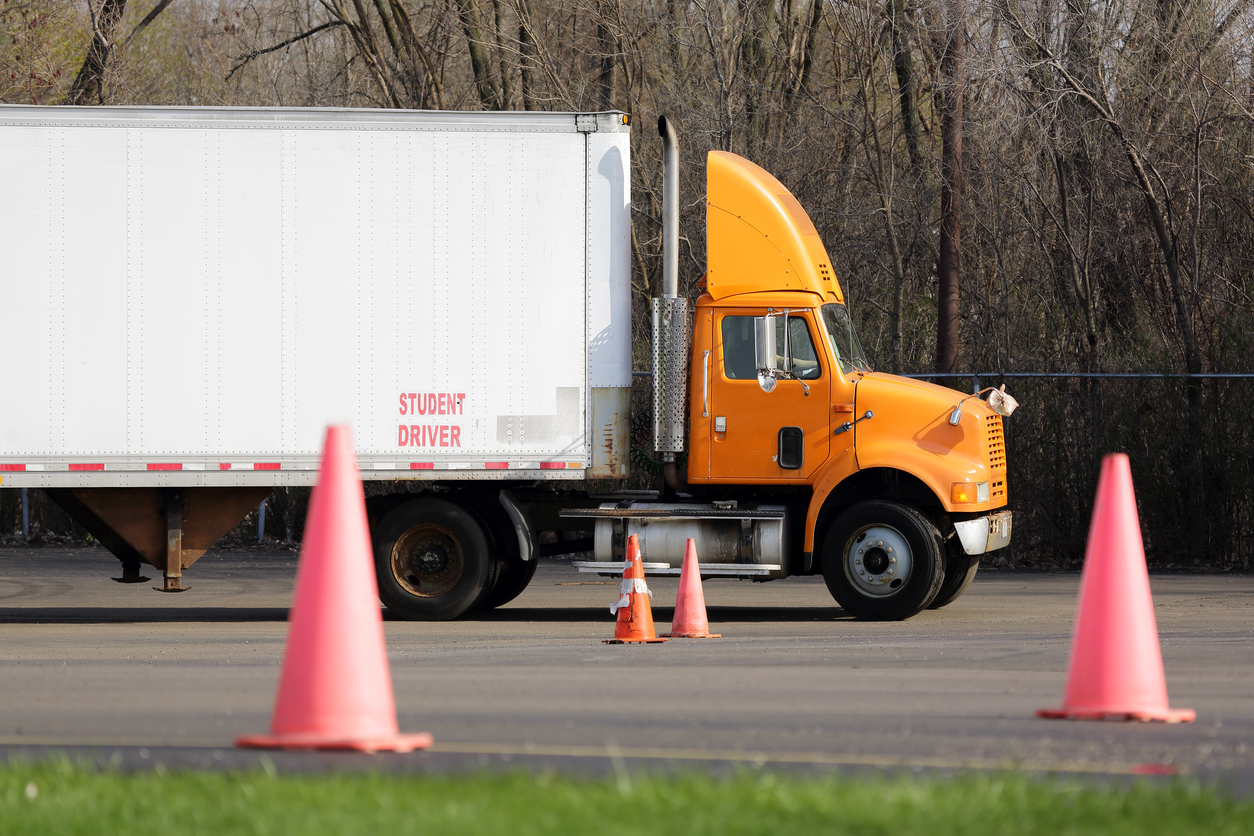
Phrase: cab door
{"type": "Point", "coordinates": [757, 435]}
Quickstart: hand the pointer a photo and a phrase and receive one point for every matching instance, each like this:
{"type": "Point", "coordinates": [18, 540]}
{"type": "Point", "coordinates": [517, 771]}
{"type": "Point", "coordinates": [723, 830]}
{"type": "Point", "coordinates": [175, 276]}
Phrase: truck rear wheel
{"type": "Point", "coordinates": [515, 575]}
{"type": "Point", "coordinates": [431, 559]}
{"type": "Point", "coordinates": [883, 561]}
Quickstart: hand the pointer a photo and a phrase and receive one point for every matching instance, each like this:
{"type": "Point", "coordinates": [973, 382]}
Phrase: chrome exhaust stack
{"type": "Point", "coordinates": [670, 208]}
{"type": "Point", "coordinates": [670, 320]}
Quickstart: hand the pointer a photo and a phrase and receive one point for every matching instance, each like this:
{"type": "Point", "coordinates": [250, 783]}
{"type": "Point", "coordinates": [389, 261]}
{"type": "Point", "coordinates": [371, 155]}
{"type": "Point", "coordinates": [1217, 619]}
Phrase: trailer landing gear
{"type": "Point", "coordinates": [130, 573]}
{"type": "Point", "coordinates": [167, 528]}
{"type": "Point", "coordinates": [173, 574]}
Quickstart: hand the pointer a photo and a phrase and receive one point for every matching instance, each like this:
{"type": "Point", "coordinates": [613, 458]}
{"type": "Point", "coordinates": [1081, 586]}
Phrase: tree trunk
{"type": "Point", "coordinates": [879, 161]}
{"type": "Point", "coordinates": [480, 63]}
{"type": "Point", "coordinates": [903, 67]}
{"type": "Point", "coordinates": [949, 257]}
{"type": "Point", "coordinates": [364, 43]}
{"type": "Point", "coordinates": [800, 82]}
{"type": "Point", "coordinates": [527, 55]}
{"type": "Point", "coordinates": [756, 59]}
{"type": "Point", "coordinates": [607, 60]}
{"type": "Point", "coordinates": [498, 20]}
{"type": "Point", "coordinates": [415, 46]}
{"type": "Point", "coordinates": [673, 14]}
{"type": "Point", "coordinates": [88, 87]}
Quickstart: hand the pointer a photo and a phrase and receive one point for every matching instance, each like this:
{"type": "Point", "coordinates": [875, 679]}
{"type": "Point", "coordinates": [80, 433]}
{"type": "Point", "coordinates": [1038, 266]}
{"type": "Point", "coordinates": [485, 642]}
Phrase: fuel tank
{"type": "Point", "coordinates": [745, 541]}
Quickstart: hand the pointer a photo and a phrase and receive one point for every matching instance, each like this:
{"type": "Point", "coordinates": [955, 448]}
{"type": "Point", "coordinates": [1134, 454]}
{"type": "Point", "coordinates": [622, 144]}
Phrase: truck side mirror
{"type": "Point", "coordinates": [788, 347]}
{"type": "Point", "coordinates": [764, 351]}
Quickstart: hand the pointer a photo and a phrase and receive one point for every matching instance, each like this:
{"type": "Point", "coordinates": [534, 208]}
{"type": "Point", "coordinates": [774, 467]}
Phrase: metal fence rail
{"type": "Point", "coordinates": [977, 377]}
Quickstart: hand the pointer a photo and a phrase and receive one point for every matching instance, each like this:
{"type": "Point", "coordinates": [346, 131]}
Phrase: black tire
{"type": "Point", "coordinates": [513, 579]}
{"type": "Point", "coordinates": [432, 560]}
{"type": "Point", "coordinates": [959, 572]}
{"type": "Point", "coordinates": [883, 589]}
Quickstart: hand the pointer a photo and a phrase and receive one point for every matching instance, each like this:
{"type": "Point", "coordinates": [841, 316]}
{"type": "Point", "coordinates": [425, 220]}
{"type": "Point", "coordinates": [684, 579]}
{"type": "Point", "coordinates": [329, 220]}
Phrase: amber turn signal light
{"type": "Point", "coordinates": [967, 493]}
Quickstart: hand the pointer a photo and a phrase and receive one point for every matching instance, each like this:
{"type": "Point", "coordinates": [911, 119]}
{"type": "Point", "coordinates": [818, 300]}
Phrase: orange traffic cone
{"type": "Point", "coordinates": [1116, 669]}
{"type": "Point", "coordinates": [635, 615]}
{"type": "Point", "coordinates": [335, 690]}
{"type": "Point", "coordinates": [689, 621]}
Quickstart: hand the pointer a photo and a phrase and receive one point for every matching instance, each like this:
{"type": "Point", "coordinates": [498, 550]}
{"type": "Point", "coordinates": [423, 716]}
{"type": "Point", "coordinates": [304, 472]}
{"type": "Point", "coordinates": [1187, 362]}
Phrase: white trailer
{"type": "Point", "coordinates": [194, 294]}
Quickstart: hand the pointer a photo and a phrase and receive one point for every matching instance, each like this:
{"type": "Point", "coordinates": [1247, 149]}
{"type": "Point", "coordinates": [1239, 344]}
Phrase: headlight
{"type": "Point", "coordinates": [967, 493]}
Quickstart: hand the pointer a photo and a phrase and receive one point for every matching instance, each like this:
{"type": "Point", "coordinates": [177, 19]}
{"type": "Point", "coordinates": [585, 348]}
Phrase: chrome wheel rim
{"type": "Point", "coordinates": [878, 561]}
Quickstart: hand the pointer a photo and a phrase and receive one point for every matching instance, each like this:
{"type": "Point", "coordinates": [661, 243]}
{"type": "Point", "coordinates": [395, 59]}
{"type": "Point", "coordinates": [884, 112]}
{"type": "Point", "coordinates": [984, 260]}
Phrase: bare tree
{"type": "Point", "coordinates": [903, 67]}
{"type": "Point", "coordinates": [949, 261]}
{"type": "Point", "coordinates": [480, 62]}
{"type": "Point", "coordinates": [607, 57]}
{"type": "Point", "coordinates": [527, 54]}
{"type": "Point", "coordinates": [106, 20]}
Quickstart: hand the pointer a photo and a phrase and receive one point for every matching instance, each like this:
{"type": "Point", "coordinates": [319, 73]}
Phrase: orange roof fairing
{"type": "Point", "coordinates": [758, 236]}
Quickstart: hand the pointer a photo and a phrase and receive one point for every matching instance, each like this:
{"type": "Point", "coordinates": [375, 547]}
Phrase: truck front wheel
{"type": "Point", "coordinates": [883, 561]}
{"type": "Point", "coordinates": [959, 572]}
{"type": "Point", "coordinates": [431, 560]}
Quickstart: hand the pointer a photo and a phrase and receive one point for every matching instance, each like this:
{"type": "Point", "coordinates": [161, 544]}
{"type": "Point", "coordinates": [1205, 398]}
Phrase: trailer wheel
{"type": "Point", "coordinates": [431, 559]}
{"type": "Point", "coordinates": [883, 561]}
{"type": "Point", "coordinates": [959, 572]}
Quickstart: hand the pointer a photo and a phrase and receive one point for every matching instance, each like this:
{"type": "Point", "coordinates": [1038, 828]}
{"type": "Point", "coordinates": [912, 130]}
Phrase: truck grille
{"type": "Point", "coordinates": [995, 444]}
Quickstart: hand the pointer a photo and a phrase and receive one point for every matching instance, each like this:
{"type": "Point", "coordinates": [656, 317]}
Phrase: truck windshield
{"type": "Point", "coordinates": [844, 339]}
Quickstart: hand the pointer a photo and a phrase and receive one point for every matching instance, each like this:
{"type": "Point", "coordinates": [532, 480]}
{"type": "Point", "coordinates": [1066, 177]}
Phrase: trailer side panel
{"type": "Point", "coordinates": [203, 291]}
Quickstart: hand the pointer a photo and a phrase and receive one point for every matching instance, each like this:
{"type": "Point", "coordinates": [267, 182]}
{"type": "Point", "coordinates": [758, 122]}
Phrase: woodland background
{"type": "Point", "coordinates": [1003, 186]}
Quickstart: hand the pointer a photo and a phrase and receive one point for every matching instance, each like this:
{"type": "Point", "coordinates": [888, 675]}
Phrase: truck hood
{"type": "Point", "coordinates": [911, 424]}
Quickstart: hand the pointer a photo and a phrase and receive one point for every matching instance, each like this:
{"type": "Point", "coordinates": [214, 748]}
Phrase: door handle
{"type": "Point", "coordinates": [705, 386]}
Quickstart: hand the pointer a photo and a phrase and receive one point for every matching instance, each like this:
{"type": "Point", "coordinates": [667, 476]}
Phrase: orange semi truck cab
{"type": "Point", "coordinates": [799, 456]}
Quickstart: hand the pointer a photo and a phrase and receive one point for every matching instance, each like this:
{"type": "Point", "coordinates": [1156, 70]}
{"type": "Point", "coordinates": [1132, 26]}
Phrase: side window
{"type": "Point", "coordinates": [738, 348]}
{"type": "Point", "coordinates": [805, 363]}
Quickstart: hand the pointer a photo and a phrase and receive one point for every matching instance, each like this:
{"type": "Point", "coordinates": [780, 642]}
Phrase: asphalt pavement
{"type": "Point", "coordinates": [124, 674]}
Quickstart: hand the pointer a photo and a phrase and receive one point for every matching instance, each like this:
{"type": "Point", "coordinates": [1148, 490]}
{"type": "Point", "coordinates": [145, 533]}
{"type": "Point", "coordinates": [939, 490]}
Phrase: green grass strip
{"type": "Point", "coordinates": [64, 798]}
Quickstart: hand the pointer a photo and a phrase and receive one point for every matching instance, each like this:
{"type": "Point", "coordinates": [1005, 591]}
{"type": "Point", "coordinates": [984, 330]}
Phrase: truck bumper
{"type": "Point", "coordinates": [984, 534]}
